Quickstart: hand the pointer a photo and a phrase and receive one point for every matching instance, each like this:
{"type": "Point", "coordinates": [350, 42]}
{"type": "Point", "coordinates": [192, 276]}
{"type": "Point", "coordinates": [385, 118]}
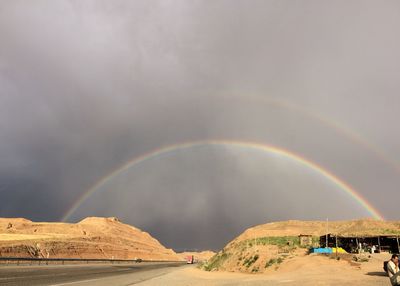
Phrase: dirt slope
{"type": "Point", "coordinates": [92, 237]}
{"type": "Point", "coordinates": [270, 246]}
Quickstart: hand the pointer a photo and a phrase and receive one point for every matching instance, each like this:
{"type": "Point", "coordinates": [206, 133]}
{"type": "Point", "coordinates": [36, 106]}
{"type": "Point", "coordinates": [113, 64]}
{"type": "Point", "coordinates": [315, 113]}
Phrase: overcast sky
{"type": "Point", "coordinates": [86, 86]}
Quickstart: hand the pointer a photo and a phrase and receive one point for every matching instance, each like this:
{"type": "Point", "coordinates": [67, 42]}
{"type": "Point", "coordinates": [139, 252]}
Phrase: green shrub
{"type": "Point", "coordinates": [249, 261]}
{"type": "Point", "coordinates": [255, 269]}
{"type": "Point", "coordinates": [280, 241]}
{"type": "Point", "coordinates": [216, 261]}
{"type": "Point", "coordinates": [273, 261]}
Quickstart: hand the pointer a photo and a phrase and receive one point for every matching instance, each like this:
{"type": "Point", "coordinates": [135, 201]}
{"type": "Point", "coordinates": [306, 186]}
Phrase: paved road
{"type": "Point", "coordinates": [76, 275]}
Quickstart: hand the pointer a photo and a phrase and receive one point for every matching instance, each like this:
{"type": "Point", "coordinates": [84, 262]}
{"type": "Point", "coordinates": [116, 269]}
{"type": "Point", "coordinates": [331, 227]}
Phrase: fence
{"type": "Point", "coordinates": [62, 261]}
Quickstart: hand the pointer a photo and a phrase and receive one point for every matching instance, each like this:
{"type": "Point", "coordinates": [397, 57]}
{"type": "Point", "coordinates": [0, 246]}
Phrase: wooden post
{"type": "Point", "coordinates": [336, 247]}
{"type": "Point", "coordinates": [326, 244]}
{"type": "Point", "coordinates": [358, 249]}
{"type": "Point", "coordinates": [255, 244]}
{"type": "Point", "coordinates": [398, 246]}
{"type": "Point", "coordinates": [379, 244]}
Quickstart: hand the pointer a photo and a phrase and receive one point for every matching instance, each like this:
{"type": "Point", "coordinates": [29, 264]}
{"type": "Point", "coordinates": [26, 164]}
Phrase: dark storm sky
{"type": "Point", "coordinates": [86, 86]}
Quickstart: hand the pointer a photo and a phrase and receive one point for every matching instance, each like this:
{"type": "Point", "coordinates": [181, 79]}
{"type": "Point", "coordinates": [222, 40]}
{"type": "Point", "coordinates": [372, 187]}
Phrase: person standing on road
{"type": "Point", "coordinates": [393, 270]}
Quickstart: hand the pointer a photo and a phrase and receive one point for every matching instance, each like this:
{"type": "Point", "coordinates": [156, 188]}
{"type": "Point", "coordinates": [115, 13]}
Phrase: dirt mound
{"type": "Point", "coordinates": [99, 220]}
{"type": "Point", "coordinates": [270, 246]}
{"type": "Point", "coordinates": [90, 238]}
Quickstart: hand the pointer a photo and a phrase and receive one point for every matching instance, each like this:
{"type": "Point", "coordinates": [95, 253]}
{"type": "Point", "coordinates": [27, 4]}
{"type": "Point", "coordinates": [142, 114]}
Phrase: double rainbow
{"type": "Point", "coordinates": [342, 185]}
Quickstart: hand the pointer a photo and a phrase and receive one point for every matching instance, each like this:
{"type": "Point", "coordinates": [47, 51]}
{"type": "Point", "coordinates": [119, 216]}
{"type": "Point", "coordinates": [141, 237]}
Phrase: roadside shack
{"type": "Point", "coordinates": [362, 243]}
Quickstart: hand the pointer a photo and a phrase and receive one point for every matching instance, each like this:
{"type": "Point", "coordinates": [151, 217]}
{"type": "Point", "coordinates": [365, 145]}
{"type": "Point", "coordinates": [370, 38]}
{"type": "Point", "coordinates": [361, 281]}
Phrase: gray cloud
{"type": "Point", "coordinates": [86, 86]}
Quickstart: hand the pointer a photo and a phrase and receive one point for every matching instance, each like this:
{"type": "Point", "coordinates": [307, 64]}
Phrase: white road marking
{"type": "Point", "coordinates": [76, 282]}
{"type": "Point", "coordinates": [32, 276]}
{"type": "Point", "coordinates": [147, 279]}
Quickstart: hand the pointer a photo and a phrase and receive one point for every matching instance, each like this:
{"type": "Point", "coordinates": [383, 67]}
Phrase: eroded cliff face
{"type": "Point", "coordinates": [92, 237]}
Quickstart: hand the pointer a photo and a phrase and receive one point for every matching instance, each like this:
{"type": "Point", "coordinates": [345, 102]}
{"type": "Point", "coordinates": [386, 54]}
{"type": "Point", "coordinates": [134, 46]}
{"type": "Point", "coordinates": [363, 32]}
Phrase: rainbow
{"type": "Point", "coordinates": [241, 144]}
{"type": "Point", "coordinates": [328, 122]}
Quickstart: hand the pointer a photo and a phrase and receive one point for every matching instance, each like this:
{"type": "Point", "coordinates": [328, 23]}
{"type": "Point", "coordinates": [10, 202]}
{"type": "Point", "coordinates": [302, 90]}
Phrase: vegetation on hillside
{"type": "Point", "coordinates": [252, 255]}
{"type": "Point", "coordinates": [216, 261]}
{"type": "Point", "coordinates": [266, 247]}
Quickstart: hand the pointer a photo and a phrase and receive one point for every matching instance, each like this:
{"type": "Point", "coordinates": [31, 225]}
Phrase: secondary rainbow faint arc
{"type": "Point", "coordinates": [344, 131]}
{"type": "Point", "coordinates": [242, 144]}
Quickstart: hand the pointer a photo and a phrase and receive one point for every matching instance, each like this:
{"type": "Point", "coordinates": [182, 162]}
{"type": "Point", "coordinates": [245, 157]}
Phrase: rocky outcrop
{"type": "Point", "coordinates": [92, 237]}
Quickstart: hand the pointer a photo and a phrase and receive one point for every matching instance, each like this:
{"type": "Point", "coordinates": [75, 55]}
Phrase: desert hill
{"type": "Point", "coordinates": [268, 246]}
{"type": "Point", "coordinates": [93, 237]}
{"type": "Point", "coordinates": [198, 255]}
{"type": "Point", "coordinates": [317, 228]}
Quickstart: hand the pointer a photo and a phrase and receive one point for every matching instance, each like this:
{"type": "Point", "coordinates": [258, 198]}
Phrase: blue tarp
{"type": "Point", "coordinates": [321, 250]}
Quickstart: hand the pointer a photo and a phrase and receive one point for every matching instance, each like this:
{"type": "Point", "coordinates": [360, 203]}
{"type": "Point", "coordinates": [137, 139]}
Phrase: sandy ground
{"type": "Point", "coordinates": [308, 270]}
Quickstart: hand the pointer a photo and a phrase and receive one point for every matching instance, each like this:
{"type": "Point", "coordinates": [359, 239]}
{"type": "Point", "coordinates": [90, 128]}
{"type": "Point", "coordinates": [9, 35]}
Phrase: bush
{"type": "Point", "coordinates": [273, 261]}
{"type": "Point", "coordinates": [269, 263]}
{"type": "Point", "coordinates": [249, 261]}
{"type": "Point", "coordinates": [216, 261]}
{"type": "Point", "coordinates": [255, 269]}
{"type": "Point", "coordinates": [279, 241]}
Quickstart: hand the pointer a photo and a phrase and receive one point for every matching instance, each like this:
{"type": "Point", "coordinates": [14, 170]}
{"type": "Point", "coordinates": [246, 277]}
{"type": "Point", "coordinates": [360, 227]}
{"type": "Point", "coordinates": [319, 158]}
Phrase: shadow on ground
{"type": "Point", "coordinates": [380, 273]}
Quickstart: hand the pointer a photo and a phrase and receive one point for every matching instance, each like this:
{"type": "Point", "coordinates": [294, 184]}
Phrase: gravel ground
{"type": "Point", "coordinates": [308, 271]}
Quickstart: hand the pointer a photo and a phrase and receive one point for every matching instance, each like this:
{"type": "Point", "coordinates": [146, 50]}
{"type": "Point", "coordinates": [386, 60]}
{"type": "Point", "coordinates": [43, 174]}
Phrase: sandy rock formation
{"type": "Point", "coordinates": [92, 237]}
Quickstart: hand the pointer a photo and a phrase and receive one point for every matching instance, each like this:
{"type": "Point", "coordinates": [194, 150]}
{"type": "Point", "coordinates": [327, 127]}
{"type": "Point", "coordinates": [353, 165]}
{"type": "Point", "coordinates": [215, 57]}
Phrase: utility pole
{"type": "Point", "coordinates": [255, 243]}
{"type": "Point", "coordinates": [398, 245]}
{"type": "Point", "coordinates": [326, 237]}
{"type": "Point", "coordinates": [336, 247]}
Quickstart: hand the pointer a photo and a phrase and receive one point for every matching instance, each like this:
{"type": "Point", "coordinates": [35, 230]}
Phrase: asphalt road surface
{"type": "Point", "coordinates": [75, 275]}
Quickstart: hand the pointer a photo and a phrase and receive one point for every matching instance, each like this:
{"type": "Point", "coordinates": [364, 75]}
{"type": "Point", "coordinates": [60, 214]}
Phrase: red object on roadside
{"type": "Point", "coordinates": [190, 259]}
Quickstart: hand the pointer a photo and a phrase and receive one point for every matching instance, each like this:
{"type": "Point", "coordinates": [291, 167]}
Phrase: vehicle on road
{"type": "Point", "coordinates": [190, 259]}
